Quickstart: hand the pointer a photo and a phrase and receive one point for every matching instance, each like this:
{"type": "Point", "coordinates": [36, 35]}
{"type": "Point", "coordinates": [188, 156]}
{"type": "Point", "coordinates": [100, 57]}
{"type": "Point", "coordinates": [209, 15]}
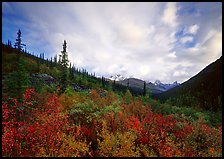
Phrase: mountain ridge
{"type": "Point", "coordinates": [155, 88]}
{"type": "Point", "coordinates": [204, 88]}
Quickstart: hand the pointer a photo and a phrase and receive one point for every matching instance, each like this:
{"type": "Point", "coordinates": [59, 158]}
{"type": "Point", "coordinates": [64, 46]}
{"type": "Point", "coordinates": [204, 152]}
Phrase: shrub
{"type": "Point", "coordinates": [116, 145]}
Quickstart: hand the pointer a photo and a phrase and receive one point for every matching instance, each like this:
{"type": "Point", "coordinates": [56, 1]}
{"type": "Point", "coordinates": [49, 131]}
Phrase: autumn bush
{"type": "Point", "coordinates": [116, 145]}
{"type": "Point", "coordinates": [99, 123]}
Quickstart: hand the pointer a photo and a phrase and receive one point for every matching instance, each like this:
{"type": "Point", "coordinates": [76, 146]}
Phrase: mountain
{"type": "Point", "coordinates": [117, 77]}
{"type": "Point", "coordinates": [135, 85]}
{"type": "Point", "coordinates": [155, 88]}
{"type": "Point", "coordinates": [204, 90]}
{"type": "Point", "coordinates": [166, 86]}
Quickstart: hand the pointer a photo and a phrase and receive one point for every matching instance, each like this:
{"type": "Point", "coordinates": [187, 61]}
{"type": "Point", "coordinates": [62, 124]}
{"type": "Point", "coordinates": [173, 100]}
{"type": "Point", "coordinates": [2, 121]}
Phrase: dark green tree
{"type": "Point", "coordinates": [18, 80]}
{"type": "Point", "coordinates": [9, 43]}
{"type": "Point", "coordinates": [18, 43]}
{"type": "Point", "coordinates": [103, 81]}
{"type": "Point", "coordinates": [144, 89]}
{"type": "Point", "coordinates": [64, 67]}
{"type": "Point", "coordinates": [71, 72]}
{"type": "Point", "coordinates": [55, 59]}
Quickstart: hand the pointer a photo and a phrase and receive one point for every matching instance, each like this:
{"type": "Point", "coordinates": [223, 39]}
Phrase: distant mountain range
{"type": "Point", "coordinates": [166, 86]}
{"type": "Point", "coordinates": [137, 85]}
{"type": "Point", "coordinates": [205, 89]}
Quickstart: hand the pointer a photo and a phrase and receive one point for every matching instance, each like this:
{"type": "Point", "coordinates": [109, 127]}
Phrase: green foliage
{"type": "Point", "coordinates": [128, 97]}
{"type": "Point", "coordinates": [144, 89]}
{"type": "Point", "coordinates": [112, 108]}
{"type": "Point", "coordinates": [55, 72]}
{"type": "Point", "coordinates": [64, 68]}
{"type": "Point", "coordinates": [17, 81]}
{"type": "Point", "coordinates": [69, 91]}
{"type": "Point", "coordinates": [190, 114]}
{"type": "Point", "coordinates": [52, 88]}
{"type": "Point", "coordinates": [39, 85]}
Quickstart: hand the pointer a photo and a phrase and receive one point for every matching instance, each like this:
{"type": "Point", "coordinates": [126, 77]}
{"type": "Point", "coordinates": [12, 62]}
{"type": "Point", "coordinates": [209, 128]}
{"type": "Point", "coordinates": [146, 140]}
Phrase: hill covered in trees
{"type": "Point", "coordinates": [204, 90]}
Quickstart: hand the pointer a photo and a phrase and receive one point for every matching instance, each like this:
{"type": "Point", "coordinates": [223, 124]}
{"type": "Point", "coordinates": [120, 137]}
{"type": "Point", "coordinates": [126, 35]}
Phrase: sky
{"type": "Point", "coordinates": [166, 41]}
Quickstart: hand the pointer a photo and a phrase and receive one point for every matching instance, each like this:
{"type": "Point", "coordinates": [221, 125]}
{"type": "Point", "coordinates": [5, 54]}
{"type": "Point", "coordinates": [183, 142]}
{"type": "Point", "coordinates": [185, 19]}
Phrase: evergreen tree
{"type": "Point", "coordinates": [144, 89]}
{"type": "Point", "coordinates": [51, 63]}
{"type": "Point", "coordinates": [48, 62]}
{"type": "Point", "coordinates": [38, 64]}
{"type": "Point", "coordinates": [71, 72]}
{"type": "Point", "coordinates": [128, 96]}
{"type": "Point", "coordinates": [103, 81]}
{"type": "Point", "coordinates": [18, 80]}
{"type": "Point", "coordinates": [64, 67]}
{"type": "Point", "coordinates": [18, 43]}
{"type": "Point", "coordinates": [55, 59]}
{"type": "Point", "coordinates": [9, 43]}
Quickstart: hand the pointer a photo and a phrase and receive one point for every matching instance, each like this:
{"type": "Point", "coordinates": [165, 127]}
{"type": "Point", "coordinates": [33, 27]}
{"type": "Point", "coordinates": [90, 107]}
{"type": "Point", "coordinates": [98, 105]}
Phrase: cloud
{"type": "Point", "coordinates": [193, 29]}
{"type": "Point", "coordinates": [179, 73]}
{"type": "Point", "coordinates": [186, 39]}
{"type": "Point", "coordinates": [172, 55]}
{"type": "Point", "coordinates": [132, 39]}
{"type": "Point", "coordinates": [169, 15]}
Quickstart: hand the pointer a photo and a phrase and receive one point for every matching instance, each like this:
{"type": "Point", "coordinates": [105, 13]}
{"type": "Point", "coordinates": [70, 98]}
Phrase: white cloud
{"type": "Point", "coordinates": [144, 70]}
{"type": "Point", "coordinates": [180, 73]}
{"type": "Point", "coordinates": [172, 55]}
{"type": "Point", "coordinates": [186, 39]}
{"type": "Point", "coordinates": [169, 15]}
{"type": "Point", "coordinates": [193, 29]}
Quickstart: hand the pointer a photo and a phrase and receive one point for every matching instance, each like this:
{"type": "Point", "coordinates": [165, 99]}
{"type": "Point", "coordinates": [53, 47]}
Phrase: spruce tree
{"type": "Point", "coordinates": [144, 89]}
{"type": "Point", "coordinates": [18, 43]}
{"type": "Point", "coordinates": [64, 67]}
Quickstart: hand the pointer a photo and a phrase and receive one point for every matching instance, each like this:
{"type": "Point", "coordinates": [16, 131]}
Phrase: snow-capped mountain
{"type": "Point", "coordinates": [157, 82]}
{"type": "Point", "coordinates": [166, 86]}
{"type": "Point", "coordinates": [117, 77]}
{"type": "Point", "coordinates": [154, 88]}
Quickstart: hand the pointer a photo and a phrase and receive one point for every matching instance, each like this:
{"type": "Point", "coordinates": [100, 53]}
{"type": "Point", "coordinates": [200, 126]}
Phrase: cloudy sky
{"type": "Point", "coordinates": [152, 41]}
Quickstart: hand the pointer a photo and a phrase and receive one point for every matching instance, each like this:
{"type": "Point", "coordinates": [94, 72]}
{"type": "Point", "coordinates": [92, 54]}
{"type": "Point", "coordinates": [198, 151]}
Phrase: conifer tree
{"type": "Point", "coordinates": [18, 80]}
{"type": "Point", "coordinates": [64, 67]}
{"type": "Point", "coordinates": [71, 72]}
{"type": "Point", "coordinates": [51, 63]}
{"type": "Point", "coordinates": [55, 60]}
{"type": "Point", "coordinates": [18, 43]}
{"type": "Point", "coordinates": [144, 89]}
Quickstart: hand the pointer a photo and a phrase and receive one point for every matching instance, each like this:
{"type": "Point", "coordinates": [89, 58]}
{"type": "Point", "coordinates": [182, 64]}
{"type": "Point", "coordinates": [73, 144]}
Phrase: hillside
{"type": "Point", "coordinates": [203, 90]}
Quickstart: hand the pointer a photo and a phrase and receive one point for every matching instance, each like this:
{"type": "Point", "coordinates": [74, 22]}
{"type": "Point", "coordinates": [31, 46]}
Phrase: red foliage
{"type": "Point", "coordinates": [44, 128]}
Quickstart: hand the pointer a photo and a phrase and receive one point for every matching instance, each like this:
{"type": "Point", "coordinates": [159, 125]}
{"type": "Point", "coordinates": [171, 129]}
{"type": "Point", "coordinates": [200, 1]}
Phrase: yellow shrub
{"type": "Point", "coordinates": [68, 147]}
{"type": "Point", "coordinates": [69, 101]}
{"type": "Point", "coordinates": [117, 145]}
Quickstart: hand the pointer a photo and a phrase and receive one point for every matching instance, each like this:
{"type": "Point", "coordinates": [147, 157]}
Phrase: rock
{"type": "Point", "coordinates": [45, 78]}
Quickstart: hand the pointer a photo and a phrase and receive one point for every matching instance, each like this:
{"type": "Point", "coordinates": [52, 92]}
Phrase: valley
{"type": "Point", "coordinates": [95, 117]}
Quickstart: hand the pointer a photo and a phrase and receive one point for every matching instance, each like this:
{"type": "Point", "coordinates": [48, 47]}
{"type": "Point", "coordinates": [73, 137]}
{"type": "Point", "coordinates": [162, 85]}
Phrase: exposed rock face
{"type": "Point", "coordinates": [78, 87]}
{"type": "Point", "coordinates": [45, 78]}
{"type": "Point", "coordinates": [48, 80]}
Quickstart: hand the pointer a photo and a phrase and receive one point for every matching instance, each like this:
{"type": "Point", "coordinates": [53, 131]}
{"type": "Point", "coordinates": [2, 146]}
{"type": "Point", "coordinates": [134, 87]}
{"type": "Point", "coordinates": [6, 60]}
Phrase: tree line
{"type": "Point", "coordinates": [68, 71]}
